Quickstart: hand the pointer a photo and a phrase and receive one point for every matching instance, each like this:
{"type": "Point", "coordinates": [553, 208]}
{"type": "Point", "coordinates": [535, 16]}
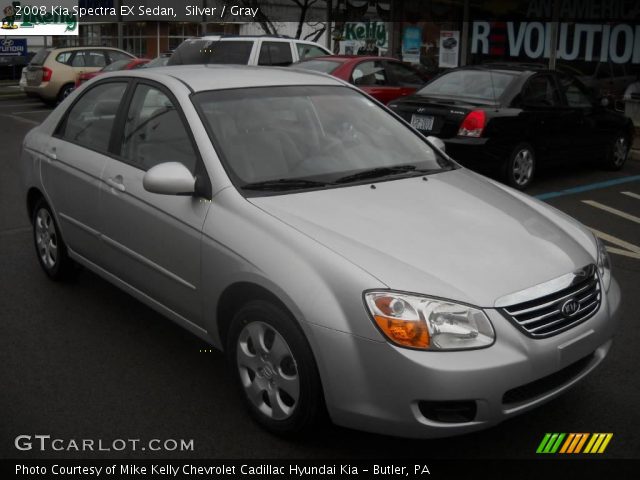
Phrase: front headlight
{"type": "Point", "coordinates": [427, 323]}
{"type": "Point", "coordinates": [604, 265]}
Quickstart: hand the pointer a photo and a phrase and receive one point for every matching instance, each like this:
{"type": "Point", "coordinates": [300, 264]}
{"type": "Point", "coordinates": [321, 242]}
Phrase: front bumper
{"type": "Point", "coordinates": [375, 386]}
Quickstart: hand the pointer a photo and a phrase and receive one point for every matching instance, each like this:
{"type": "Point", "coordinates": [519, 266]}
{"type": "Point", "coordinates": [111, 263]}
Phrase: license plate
{"type": "Point", "coordinates": [422, 122]}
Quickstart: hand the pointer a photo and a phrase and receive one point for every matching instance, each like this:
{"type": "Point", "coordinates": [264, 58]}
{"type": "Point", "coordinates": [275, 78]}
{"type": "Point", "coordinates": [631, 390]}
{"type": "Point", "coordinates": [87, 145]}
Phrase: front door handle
{"type": "Point", "coordinates": [116, 182]}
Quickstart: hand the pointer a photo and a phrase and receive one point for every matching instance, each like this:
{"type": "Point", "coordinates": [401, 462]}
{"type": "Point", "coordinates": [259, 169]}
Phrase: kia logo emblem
{"type": "Point", "coordinates": [570, 307]}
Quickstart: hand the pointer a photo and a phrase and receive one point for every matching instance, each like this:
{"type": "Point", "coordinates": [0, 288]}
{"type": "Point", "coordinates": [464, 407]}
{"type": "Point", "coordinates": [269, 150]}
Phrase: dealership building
{"type": "Point", "coordinates": [598, 40]}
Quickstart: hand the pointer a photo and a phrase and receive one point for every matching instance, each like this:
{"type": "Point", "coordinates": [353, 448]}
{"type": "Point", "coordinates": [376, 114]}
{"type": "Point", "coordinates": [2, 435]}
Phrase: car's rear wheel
{"type": "Point", "coordinates": [50, 248]}
{"type": "Point", "coordinates": [65, 92]}
{"type": "Point", "coordinates": [520, 166]}
{"type": "Point", "coordinates": [617, 153]}
{"type": "Point", "coordinates": [273, 363]}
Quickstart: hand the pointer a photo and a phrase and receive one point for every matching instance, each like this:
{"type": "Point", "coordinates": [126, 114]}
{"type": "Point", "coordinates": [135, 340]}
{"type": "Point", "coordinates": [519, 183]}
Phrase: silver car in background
{"type": "Point", "coordinates": [345, 264]}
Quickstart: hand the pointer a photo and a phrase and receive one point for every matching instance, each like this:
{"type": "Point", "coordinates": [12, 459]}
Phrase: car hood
{"type": "Point", "coordinates": [455, 235]}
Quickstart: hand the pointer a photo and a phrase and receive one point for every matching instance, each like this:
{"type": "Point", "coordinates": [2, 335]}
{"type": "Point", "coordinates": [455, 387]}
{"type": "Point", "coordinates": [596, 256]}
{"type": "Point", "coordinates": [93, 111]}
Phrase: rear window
{"type": "Point", "coordinates": [324, 66]}
{"type": "Point", "coordinates": [476, 84]}
{"type": "Point", "coordinates": [118, 65]}
{"type": "Point", "coordinates": [40, 57]}
{"type": "Point", "coordinates": [200, 52]}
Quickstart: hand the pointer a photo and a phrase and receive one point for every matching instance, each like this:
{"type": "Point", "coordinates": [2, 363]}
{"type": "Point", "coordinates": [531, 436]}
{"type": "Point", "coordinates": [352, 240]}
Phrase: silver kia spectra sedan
{"type": "Point", "coordinates": [345, 264]}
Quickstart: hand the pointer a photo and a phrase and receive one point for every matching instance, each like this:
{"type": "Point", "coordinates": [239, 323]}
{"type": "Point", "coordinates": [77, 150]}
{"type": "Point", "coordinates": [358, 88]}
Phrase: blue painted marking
{"type": "Point", "coordinates": [586, 188]}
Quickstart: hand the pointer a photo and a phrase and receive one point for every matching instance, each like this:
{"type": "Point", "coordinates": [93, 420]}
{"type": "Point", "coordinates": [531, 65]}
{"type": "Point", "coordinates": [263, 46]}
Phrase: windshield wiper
{"type": "Point", "coordinates": [284, 184]}
{"type": "Point", "coordinates": [378, 173]}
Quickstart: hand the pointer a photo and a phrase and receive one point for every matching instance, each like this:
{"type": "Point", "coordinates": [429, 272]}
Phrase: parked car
{"type": "Point", "coordinates": [245, 50]}
{"type": "Point", "coordinates": [511, 119]}
{"type": "Point", "coordinates": [383, 78]}
{"type": "Point", "coordinates": [52, 73]}
{"type": "Point", "coordinates": [124, 64]}
{"type": "Point", "coordinates": [340, 258]}
{"type": "Point", "coordinates": [160, 61]}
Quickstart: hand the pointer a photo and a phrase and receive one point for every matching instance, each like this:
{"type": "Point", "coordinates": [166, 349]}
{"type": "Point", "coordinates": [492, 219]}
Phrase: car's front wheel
{"type": "Point", "coordinates": [273, 363]}
{"type": "Point", "coordinates": [617, 153]}
{"type": "Point", "coordinates": [50, 248]}
{"type": "Point", "coordinates": [520, 166]}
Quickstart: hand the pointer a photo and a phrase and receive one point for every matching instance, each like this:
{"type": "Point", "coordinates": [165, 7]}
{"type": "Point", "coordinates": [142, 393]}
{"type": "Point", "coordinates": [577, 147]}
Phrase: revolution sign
{"type": "Point", "coordinates": [618, 43]}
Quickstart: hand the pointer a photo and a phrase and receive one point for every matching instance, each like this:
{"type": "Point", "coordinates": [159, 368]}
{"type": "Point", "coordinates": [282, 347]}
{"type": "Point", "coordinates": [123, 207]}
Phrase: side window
{"type": "Point", "coordinates": [64, 57]}
{"type": "Point", "coordinates": [540, 91]}
{"type": "Point", "coordinates": [226, 52]}
{"type": "Point", "coordinates": [88, 58]}
{"type": "Point", "coordinates": [275, 53]}
{"type": "Point", "coordinates": [154, 132]}
{"type": "Point", "coordinates": [575, 93]}
{"type": "Point", "coordinates": [306, 50]}
{"type": "Point", "coordinates": [115, 55]}
{"type": "Point", "coordinates": [369, 74]}
{"type": "Point", "coordinates": [90, 121]}
{"type": "Point", "coordinates": [404, 75]}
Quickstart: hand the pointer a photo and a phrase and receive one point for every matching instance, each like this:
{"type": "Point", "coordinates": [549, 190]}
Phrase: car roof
{"type": "Point", "coordinates": [509, 67]}
{"type": "Point", "coordinates": [95, 47]}
{"type": "Point", "coordinates": [219, 77]}
{"type": "Point", "coordinates": [349, 58]}
{"type": "Point", "coordinates": [282, 38]}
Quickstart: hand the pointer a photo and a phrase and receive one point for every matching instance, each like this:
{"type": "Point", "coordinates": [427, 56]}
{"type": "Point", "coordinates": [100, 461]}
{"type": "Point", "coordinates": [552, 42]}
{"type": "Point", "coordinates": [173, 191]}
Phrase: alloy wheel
{"type": "Point", "coordinates": [268, 370]}
{"type": "Point", "coordinates": [620, 151]}
{"type": "Point", "coordinates": [523, 167]}
{"type": "Point", "coordinates": [46, 238]}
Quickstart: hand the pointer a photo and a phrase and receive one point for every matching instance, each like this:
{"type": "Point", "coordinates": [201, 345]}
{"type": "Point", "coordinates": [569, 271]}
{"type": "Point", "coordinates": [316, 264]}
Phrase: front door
{"type": "Point", "coordinates": [152, 241]}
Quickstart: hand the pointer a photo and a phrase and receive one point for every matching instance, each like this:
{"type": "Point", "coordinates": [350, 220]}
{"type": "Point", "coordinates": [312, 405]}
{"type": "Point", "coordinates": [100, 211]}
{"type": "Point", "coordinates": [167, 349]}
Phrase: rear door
{"type": "Point", "coordinates": [372, 77]}
{"type": "Point", "coordinates": [583, 138]}
{"type": "Point", "coordinates": [274, 53]}
{"type": "Point", "coordinates": [75, 159]}
{"type": "Point", "coordinates": [152, 242]}
{"type": "Point", "coordinates": [407, 79]}
{"type": "Point", "coordinates": [543, 118]}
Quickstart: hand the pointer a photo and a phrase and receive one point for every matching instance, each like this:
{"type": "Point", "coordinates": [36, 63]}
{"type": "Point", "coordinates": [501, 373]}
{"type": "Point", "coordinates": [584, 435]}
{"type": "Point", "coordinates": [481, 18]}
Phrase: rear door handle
{"type": "Point", "coordinates": [116, 182]}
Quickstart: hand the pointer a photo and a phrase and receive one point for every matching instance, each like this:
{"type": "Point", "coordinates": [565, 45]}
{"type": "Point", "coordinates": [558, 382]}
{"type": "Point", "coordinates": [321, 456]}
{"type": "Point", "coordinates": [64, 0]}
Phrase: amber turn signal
{"type": "Point", "coordinates": [408, 333]}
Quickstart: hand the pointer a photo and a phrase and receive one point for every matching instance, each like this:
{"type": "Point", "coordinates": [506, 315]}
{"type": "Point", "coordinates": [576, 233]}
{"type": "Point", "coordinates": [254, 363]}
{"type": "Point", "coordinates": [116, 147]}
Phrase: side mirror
{"type": "Point", "coordinates": [170, 178]}
{"type": "Point", "coordinates": [438, 143]}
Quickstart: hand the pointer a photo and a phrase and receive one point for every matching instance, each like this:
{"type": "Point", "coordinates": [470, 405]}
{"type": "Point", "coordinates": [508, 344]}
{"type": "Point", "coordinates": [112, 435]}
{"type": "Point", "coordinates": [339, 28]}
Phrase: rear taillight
{"type": "Point", "coordinates": [473, 124]}
{"type": "Point", "coordinates": [46, 74]}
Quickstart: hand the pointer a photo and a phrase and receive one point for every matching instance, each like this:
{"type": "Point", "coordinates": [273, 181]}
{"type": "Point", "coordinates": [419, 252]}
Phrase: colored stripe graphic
{"type": "Point", "coordinates": [573, 443]}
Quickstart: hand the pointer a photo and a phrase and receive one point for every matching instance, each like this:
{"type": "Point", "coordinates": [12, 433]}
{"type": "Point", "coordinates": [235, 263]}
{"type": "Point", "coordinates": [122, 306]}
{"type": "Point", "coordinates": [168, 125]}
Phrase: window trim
{"type": "Point", "coordinates": [552, 78]}
{"type": "Point", "coordinates": [115, 140]}
{"type": "Point", "coordinates": [62, 123]}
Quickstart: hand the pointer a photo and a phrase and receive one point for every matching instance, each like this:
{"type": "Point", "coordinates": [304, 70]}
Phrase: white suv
{"type": "Point", "coordinates": [245, 50]}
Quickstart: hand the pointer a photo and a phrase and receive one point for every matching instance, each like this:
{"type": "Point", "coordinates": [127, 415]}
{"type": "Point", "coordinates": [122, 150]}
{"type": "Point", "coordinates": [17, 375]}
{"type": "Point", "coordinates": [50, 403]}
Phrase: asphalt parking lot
{"type": "Point", "coordinates": [85, 360]}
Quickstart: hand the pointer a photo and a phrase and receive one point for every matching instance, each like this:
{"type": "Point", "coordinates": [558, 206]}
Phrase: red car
{"type": "Point", "coordinates": [383, 78]}
{"type": "Point", "coordinates": [125, 64]}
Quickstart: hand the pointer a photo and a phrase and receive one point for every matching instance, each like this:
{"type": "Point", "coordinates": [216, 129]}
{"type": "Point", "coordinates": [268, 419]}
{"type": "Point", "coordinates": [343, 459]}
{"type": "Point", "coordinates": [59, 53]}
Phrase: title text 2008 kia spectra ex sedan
{"type": "Point", "coordinates": [341, 259]}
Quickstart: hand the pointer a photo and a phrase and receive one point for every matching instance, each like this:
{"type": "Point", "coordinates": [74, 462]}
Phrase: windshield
{"type": "Point", "coordinates": [475, 84]}
{"type": "Point", "coordinates": [296, 137]}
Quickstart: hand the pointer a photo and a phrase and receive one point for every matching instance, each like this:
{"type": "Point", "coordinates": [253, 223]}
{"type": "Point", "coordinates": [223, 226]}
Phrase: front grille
{"type": "Point", "coordinates": [533, 390]}
{"type": "Point", "coordinates": [543, 317]}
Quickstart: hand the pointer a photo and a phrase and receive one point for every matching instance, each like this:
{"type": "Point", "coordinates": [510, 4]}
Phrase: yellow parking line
{"type": "Point", "coordinates": [631, 194]}
{"type": "Point", "coordinates": [612, 210]}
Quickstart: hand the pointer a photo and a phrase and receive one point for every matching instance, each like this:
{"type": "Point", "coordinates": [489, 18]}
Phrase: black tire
{"type": "Point", "coordinates": [65, 91]}
{"type": "Point", "coordinates": [617, 152]}
{"type": "Point", "coordinates": [520, 167]}
{"type": "Point", "coordinates": [247, 366]}
{"type": "Point", "coordinates": [50, 247]}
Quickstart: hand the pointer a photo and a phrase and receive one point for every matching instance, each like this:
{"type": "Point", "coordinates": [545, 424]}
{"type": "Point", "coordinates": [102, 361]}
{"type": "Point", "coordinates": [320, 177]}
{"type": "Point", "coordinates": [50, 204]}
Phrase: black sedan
{"type": "Point", "coordinates": [509, 119]}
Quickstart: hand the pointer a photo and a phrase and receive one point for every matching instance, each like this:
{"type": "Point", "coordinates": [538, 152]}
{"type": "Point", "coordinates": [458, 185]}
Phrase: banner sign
{"type": "Point", "coordinates": [13, 47]}
{"type": "Point", "coordinates": [39, 17]}
{"type": "Point", "coordinates": [619, 43]}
